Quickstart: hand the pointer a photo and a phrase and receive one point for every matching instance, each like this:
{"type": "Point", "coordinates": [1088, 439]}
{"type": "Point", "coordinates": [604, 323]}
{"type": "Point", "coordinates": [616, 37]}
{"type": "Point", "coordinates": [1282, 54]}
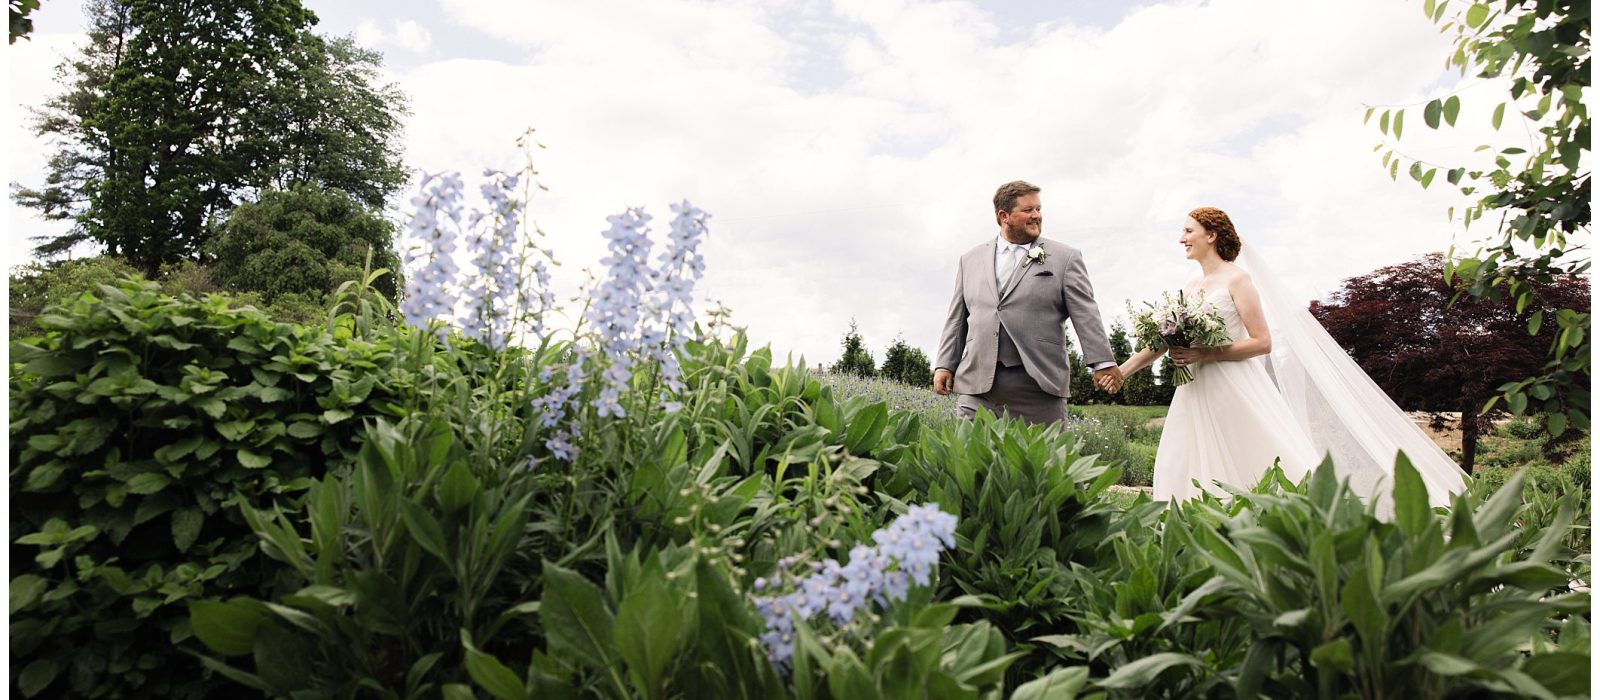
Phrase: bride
{"type": "Point", "coordinates": [1281, 390]}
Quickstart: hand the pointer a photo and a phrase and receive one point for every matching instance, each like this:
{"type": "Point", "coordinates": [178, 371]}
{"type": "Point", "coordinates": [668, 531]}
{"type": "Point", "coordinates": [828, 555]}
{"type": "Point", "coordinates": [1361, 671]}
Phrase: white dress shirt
{"type": "Point", "coordinates": [1002, 249]}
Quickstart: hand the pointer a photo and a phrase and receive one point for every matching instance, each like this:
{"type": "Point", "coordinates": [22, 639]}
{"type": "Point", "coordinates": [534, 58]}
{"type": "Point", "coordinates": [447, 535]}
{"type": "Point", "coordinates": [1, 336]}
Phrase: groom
{"type": "Point", "coordinates": [1005, 334]}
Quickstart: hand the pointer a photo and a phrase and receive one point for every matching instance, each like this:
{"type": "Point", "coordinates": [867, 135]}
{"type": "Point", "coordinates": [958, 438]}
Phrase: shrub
{"type": "Point", "coordinates": [38, 285]}
{"type": "Point", "coordinates": [1300, 591]}
{"type": "Point", "coordinates": [141, 423]}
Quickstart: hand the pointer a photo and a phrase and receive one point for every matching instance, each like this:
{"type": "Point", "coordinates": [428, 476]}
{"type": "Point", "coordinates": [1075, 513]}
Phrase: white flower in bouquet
{"type": "Point", "coordinates": [1184, 321]}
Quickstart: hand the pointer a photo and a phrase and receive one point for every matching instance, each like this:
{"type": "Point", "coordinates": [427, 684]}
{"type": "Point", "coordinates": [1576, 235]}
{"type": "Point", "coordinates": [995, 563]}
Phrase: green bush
{"type": "Point", "coordinates": [38, 285]}
{"type": "Point", "coordinates": [1300, 591]}
{"type": "Point", "coordinates": [141, 424]}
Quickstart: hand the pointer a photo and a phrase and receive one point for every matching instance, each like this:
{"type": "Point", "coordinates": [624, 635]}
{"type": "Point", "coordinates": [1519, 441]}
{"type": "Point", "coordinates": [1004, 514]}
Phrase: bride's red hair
{"type": "Point", "coordinates": [1216, 222]}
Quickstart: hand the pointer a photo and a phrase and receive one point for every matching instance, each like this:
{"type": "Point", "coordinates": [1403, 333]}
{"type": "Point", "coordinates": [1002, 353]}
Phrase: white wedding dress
{"type": "Point", "coordinates": [1229, 423]}
{"type": "Point", "coordinates": [1305, 401]}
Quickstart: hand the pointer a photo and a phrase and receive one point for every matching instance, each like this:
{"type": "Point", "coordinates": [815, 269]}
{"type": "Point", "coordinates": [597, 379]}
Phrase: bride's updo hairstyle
{"type": "Point", "coordinates": [1217, 223]}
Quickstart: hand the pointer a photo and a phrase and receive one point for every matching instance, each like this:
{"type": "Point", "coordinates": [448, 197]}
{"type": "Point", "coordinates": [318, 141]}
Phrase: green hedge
{"type": "Point", "coordinates": [140, 423]}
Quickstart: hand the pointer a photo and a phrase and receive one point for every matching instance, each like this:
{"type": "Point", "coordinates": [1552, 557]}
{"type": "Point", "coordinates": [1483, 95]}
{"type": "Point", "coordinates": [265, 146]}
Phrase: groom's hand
{"type": "Point", "coordinates": [1109, 379]}
{"type": "Point", "coordinates": [943, 381]}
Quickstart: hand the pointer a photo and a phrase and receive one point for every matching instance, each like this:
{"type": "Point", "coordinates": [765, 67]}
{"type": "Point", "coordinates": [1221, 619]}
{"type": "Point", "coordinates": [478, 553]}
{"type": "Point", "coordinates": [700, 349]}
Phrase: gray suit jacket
{"type": "Point", "coordinates": [1033, 307]}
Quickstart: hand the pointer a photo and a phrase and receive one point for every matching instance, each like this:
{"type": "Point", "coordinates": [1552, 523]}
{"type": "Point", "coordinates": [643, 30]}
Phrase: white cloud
{"type": "Point", "coordinates": [854, 199]}
{"type": "Point", "coordinates": [848, 151]}
{"type": "Point", "coordinates": [406, 34]}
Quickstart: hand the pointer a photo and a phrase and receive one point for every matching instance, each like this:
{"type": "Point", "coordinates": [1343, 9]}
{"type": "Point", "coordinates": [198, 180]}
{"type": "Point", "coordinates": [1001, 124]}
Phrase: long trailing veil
{"type": "Point", "coordinates": [1340, 407]}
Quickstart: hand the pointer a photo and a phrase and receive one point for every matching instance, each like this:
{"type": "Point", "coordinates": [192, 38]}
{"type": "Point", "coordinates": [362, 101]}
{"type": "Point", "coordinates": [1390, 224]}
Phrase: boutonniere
{"type": "Point", "coordinates": [1036, 254]}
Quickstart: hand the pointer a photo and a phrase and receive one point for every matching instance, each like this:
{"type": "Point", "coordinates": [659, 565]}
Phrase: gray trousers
{"type": "Point", "coordinates": [1016, 393]}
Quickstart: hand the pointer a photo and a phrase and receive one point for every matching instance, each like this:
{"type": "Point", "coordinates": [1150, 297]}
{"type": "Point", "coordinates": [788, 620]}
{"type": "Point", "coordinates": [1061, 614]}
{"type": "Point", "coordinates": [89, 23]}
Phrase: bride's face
{"type": "Point", "coordinates": [1195, 240]}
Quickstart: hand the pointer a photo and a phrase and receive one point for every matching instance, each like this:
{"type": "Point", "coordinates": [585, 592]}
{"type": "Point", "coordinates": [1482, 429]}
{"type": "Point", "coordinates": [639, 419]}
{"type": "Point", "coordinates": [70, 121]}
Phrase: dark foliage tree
{"type": "Point", "coordinates": [1537, 189]}
{"type": "Point", "coordinates": [856, 359]}
{"type": "Point", "coordinates": [1399, 325]}
{"type": "Point", "coordinates": [174, 113]}
{"type": "Point", "coordinates": [907, 365]}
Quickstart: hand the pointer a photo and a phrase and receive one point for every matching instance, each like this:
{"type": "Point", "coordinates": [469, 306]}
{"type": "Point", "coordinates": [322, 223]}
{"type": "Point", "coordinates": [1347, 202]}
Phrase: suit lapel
{"type": "Point", "coordinates": [1016, 277]}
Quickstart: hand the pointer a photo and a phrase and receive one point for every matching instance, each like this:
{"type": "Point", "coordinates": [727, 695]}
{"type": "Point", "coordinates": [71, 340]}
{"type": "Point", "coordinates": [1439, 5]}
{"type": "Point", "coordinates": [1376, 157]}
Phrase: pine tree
{"type": "Point", "coordinates": [856, 359]}
{"type": "Point", "coordinates": [906, 364]}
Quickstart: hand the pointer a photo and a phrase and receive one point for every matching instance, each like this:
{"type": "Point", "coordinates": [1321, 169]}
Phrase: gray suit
{"type": "Point", "coordinates": [1005, 345]}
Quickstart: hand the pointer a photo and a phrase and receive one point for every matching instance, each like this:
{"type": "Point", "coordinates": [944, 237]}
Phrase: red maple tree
{"type": "Point", "coordinates": [1397, 323]}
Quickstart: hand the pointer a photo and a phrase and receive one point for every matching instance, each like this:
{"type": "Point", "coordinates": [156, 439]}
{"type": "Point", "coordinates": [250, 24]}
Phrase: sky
{"type": "Point", "coordinates": [848, 151]}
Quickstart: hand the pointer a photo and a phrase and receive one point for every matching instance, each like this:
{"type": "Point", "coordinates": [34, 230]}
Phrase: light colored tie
{"type": "Point", "coordinates": [1008, 263]}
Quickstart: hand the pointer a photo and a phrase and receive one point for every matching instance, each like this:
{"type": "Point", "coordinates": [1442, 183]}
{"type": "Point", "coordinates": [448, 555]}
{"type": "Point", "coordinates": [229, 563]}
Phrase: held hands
{"type": "Point", "coordinates": [943, 381]}
{"type": "Point", "coordinates": [1109, 379]}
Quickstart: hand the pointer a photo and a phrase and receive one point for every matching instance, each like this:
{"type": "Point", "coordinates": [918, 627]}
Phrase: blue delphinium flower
{"type": "Point", "coordinates": [907, 550]}
{"type": "Point", "coordinates": [614, 310]}
{"type": "Point", "coordinates": [430, 268]}
{"type": "Point", "coordinates": [492, 295]}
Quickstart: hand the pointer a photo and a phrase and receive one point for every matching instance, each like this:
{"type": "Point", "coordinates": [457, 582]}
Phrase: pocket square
{"type": "Point", "coordinates": [1045, 273]}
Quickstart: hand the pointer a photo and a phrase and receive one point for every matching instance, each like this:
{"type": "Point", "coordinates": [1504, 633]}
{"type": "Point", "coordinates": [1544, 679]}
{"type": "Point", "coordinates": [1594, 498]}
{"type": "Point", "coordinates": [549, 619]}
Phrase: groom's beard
{"type": "Point", "coordinates": [1020, 233]}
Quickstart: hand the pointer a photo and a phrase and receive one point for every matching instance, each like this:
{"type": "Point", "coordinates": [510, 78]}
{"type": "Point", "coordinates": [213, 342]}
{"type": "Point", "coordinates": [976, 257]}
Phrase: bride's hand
{"type": "Point", "coordinates": [1188, 357]}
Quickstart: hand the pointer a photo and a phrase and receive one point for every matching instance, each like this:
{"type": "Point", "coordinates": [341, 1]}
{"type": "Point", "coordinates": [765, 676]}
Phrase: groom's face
{"type": "Point", "coordinates": [1025, 220]}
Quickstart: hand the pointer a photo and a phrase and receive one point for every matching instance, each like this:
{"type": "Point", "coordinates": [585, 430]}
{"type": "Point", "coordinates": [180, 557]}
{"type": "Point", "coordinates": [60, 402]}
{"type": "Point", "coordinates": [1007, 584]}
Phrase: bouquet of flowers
{"type": "Point", "coordinates": [1184, 321]}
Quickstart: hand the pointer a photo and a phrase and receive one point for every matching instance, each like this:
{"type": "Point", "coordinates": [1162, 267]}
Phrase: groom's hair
{"type": "Point", "coordinates": [1005, 198]}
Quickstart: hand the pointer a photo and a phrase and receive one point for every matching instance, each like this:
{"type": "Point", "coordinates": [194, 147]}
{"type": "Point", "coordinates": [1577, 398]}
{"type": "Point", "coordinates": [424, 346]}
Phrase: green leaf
{"type": "Point", "coordinates": [37, 676]}
{"type": "Point", "coordinates": [457, 488]}
{"type": "Point", "coordinates": [1557, 423]}
{"type": "Point", "coordinates": [1361, 605]}
{"type": "Point", "coordinates": [334, 415]}
{"type": "Point", "coordinates": [1416, 171]}
{"type": "Point", "coordinates": [575, 618]}
{"type": "Point", "coordinates": [1334, 656]}
{"type": "Point", "coordinates": [186, 525]}
{"type": "Point", "coordinates": [148, 483]}
{"type": "Point", "coordinates": [1477, 14]}
{"type": "Point", "coordinates": [1383, 122]}
{"type": "Point", "coordinates": [1399, 123]}
{"type": "Point", "coordinates": [1499, 116]}
{"type": "Point", "coordinates": [235, 430]}
{"type": "Point", "coordinates": [304, 430]}
{"type": "Point", "coordinates": [251, 460]}
{"type": "Point", "coordinates": [1452, 107]}
{"type": "Point", "coordinates": [1368, 116]}
{"type": "Point", "coordinates": [226, 628]}
{"type": "Point", "coordinates": [425, 530]}
{"type": "Point", "coordinates": [1142, 672]}
{"type": "Point", "coordinates": [649, 630]}
{"type": "Point", "coordinates": [1060, 684]}
{"type": "Point", "coordinates": [1427, 177]}
{"type": "Point", "coordinates": [26, 589]}
{"type": "Point", "coordinates": [491, 675]}
{"type": "Point", "coordinates": [1411, 511]}
{"type": "Point", "coordinates": [1563, 672]}
{"type": "Point", "coordinates": [1447, 664]}
{"type": "Point", "coordinates": [1535, 322]}
{"type": "Point", "coordinates": [1431, 114]}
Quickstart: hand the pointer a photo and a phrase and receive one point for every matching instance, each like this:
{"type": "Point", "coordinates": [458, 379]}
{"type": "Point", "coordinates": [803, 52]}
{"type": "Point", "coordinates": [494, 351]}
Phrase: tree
{"type": "Point", "coordinates": [174, 113]}
{"type": "Point", "coordinates": [305, 242]}
{"type": "Point", "coordinates": [1161, 392]}
{"type": "Point", "coordinates": [856, 359]}
{"type": "Point", "coordinates": [906, 364]}
{"type": "Point", "coordinates": [1080, 380]}
{"type": "Point", "coordinates": [21, 23]}
{"type": "Point", "coordinates": [1538, 51]}
{"type": "Point", "coordinates": [1121, 350]}
{"type": "Point", "coordinates": [1398, 323]}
